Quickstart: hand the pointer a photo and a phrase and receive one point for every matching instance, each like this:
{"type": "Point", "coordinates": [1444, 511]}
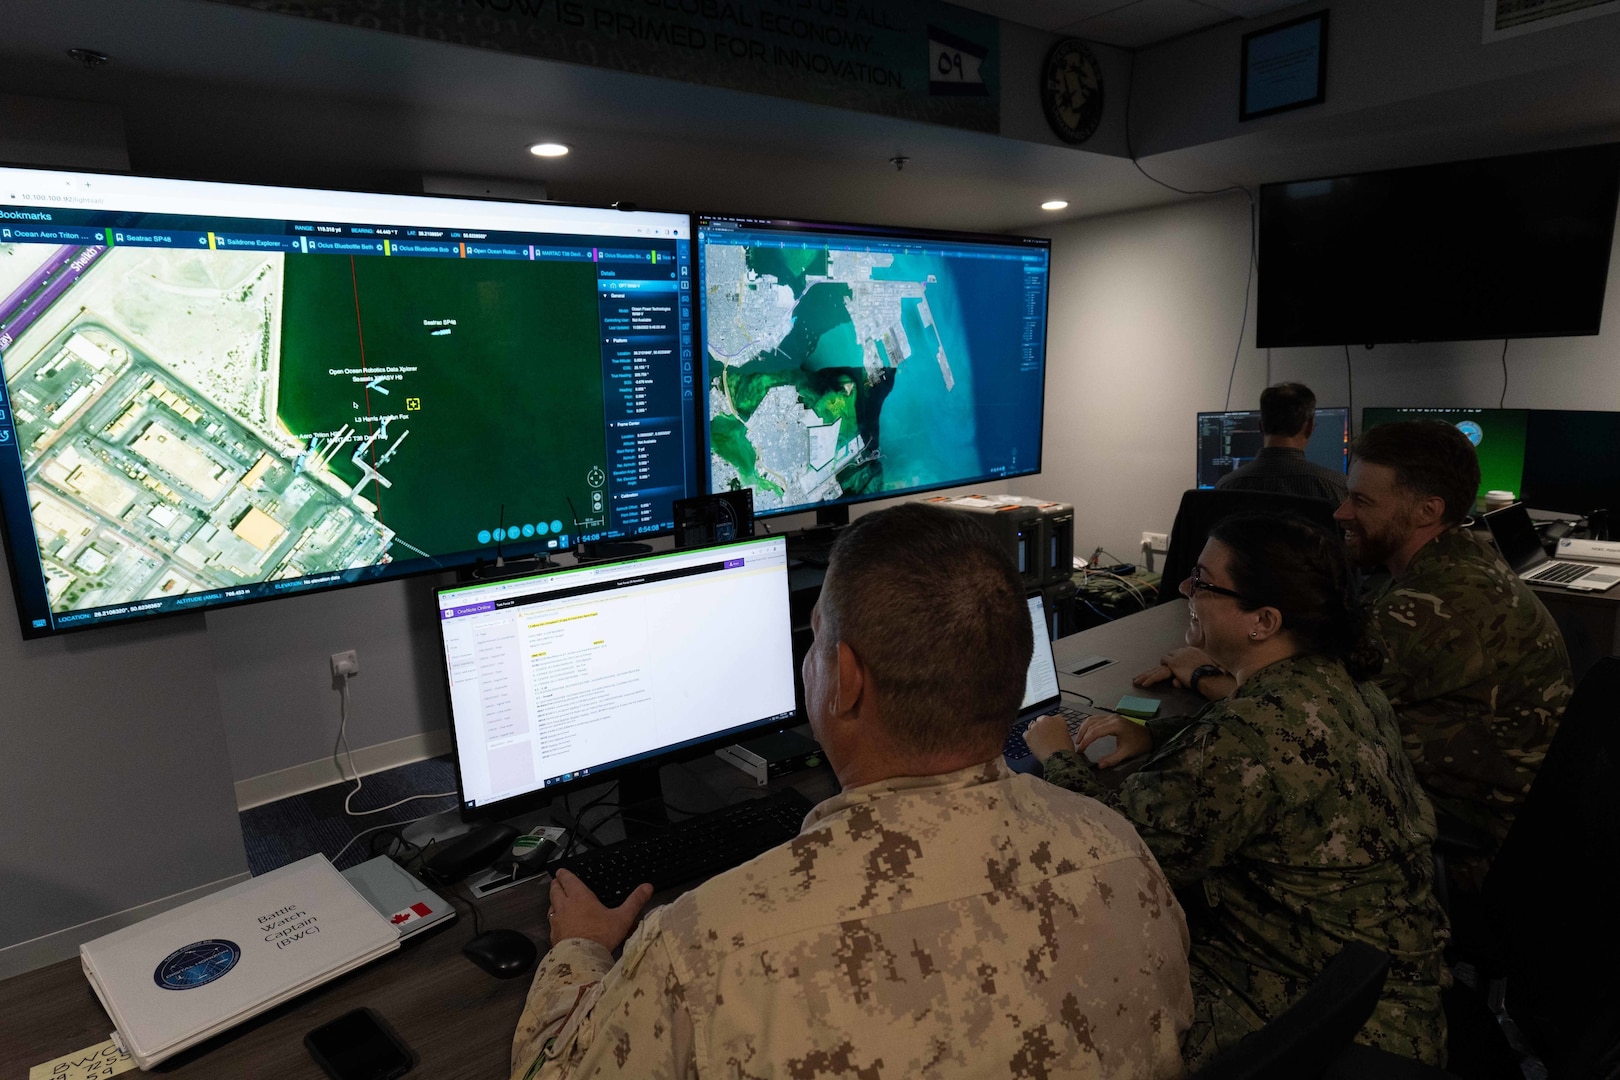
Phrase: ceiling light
{"type": "Point", "coordinates": [548, 149]}
{"type": "Point", "coordinates": [1054, 204]}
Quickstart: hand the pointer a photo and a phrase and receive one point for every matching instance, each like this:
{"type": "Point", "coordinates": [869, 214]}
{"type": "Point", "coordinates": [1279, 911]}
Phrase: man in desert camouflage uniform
{"type": "Point", "coordinates": [1474, 665]}
{"type": "Point", "coordinates": [940, 917]}
{"type": "Point", "coordinates": [1288, 809]}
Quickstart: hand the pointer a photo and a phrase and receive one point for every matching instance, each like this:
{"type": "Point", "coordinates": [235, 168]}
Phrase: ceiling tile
{"type": "Point", "coordinates": [1146, 22]}
{"type": "Point", "coordinates": [1043, 14]}
{"type": "Point", "coordinates": [1249, 9]}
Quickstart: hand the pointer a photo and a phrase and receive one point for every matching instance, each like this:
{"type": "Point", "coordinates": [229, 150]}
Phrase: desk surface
{"type": "Point", "coordinates": [1135, 643]}
{"type": "Point", "coordinates": [457, 1019]}
{"type": "Point", "coordinates": [454, 1017]}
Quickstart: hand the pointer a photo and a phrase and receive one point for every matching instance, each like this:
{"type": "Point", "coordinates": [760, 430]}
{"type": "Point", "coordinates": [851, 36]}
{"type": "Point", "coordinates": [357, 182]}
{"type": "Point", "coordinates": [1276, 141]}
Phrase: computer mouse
{"type": "Point", "coordinates": [529, 855]}
{"type": "Point", "coordinates": [505, 954]}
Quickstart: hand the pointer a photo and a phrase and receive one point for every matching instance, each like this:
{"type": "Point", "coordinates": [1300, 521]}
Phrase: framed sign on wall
{"type": "Point", "coordinates": [1284, 67]}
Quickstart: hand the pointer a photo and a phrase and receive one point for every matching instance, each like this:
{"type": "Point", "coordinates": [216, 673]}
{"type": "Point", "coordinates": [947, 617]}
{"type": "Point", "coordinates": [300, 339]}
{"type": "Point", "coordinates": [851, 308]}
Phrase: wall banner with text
{"type": "Point", "coordinates": [915, 59]}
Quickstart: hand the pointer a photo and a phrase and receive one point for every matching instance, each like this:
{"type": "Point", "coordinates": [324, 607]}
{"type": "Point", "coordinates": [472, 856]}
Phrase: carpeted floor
{"type": "Point", "coordinates": [287, 830]}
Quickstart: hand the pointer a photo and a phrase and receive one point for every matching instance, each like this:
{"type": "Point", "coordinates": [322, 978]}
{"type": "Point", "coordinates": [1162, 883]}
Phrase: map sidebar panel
{"type": "Point", "coordinates": [846, 363]}
{"type": "Point", "coordinates": [204, 404]}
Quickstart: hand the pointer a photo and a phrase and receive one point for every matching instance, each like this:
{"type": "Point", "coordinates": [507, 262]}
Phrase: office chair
{"type": "Point", "coordinates": [1304, 1040]}
{"type": "Point", "coordinates": [1549, 895]}
{"type": "Point", "coordinates": [1201, 509]}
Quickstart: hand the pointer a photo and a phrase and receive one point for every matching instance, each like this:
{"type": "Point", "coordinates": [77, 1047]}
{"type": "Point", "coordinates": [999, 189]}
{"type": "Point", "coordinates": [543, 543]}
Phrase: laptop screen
{"type": "Point", "coordinates": [1041, 682]}
{"type": "Point", "coordinates": [1516, 537]}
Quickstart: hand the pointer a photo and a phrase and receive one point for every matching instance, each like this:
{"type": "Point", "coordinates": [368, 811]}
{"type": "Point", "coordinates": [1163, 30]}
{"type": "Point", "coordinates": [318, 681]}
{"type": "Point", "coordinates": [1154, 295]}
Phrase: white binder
{"type": "Point", "coordinates": [188, 974]}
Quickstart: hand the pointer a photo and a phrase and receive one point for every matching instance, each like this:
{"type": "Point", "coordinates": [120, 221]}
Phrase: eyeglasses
{"type": "Point", "coordinates": [1196, 580]}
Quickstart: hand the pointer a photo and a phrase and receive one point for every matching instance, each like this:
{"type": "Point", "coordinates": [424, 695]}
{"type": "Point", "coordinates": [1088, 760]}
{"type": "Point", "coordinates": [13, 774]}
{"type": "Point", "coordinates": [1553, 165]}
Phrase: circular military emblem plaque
{"type": "Point", "coordinates": [1072, 90]}
{"type": "Point", "coordinates": [197, 964]}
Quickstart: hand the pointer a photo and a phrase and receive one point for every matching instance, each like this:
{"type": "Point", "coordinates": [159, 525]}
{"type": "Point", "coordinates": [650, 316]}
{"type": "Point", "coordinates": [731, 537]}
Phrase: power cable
{"type": "Point", "coordinates": [1254, 232]}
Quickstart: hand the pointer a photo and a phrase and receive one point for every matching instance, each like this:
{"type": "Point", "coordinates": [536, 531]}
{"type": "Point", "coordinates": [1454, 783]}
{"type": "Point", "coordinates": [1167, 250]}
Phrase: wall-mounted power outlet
{"type": "Point", "coordinates": [1156, 541]}
{"type": "Point", "coordinates": [346, 663]}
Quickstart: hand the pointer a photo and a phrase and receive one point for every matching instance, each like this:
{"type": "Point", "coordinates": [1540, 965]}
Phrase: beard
{"type": "Point", "coordinates": [1372, 548]}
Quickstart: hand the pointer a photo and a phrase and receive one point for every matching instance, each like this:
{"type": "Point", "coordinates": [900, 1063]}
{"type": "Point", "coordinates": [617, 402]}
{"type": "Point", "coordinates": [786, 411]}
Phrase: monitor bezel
{"type": "Point", "coordinates": [356, 576]}
{"type": "Point", "coordinates": [540, 797]}
{"type": "Point", "coordinates": [857, 229]}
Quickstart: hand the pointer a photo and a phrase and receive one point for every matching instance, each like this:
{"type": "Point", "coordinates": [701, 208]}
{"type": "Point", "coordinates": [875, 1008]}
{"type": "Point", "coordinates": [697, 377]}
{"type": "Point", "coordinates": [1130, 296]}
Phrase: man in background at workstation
{"type": "Point", "coordinates": [940, 917]}
{"type": "Point", "coordinates": [1287, 419]}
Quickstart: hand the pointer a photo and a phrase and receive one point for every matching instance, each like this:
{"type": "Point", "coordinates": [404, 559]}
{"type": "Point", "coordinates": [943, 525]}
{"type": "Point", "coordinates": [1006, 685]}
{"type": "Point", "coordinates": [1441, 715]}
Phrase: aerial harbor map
{"type": "Point", "coordinates": [195, 421]}
{"type": "Point", "coordinates": [835, 373]}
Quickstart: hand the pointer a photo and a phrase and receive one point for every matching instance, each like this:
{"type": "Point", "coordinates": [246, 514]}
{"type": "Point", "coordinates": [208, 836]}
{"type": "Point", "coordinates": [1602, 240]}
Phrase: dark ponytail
{"type": "Point", "coordinates": [1302, 570]}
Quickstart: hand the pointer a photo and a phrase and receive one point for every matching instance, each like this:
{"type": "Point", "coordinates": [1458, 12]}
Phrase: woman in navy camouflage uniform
{"type": "Point", "coordinates": [1287, 815]}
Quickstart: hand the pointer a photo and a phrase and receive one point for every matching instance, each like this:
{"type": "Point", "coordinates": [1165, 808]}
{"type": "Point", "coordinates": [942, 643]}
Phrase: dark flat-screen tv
{"type": "Point", "coordinates": [1507, 247]}
{"type": "Point", "coordinates": [844, 363]}
{"type": "Point", "coordinates": [217, 393]}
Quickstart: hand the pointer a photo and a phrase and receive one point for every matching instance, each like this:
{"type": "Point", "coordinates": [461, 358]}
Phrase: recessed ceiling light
{"type": "Point", "coordinates": [1054, 204]}
{"type": "Point", "coordinates": [548, 149]}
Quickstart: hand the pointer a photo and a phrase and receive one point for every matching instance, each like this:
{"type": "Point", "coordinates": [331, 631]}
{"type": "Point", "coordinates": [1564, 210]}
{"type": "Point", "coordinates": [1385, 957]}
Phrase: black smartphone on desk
{"type": "Point", "coordinates": [358, 1046]}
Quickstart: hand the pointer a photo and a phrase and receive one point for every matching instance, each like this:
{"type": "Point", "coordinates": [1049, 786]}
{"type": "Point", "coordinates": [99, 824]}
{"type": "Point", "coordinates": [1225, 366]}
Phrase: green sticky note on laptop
{"type": "Point", "coordinates": [1137, 708]}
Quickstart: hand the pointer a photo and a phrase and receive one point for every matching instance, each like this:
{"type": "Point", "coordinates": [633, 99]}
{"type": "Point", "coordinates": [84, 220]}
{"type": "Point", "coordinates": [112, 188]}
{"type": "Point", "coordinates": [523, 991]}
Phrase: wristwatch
{"type": "Point", "coordinates": [1202, 671]}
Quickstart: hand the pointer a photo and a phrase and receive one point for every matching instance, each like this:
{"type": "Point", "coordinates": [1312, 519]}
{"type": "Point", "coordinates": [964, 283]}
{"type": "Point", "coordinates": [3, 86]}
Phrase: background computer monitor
{"type": "Point", "coordinates": [1572, 461]}
{"type": "Point", "coordinates": [844, 363]}
{"type": "Point", "coordinates": [1230, 440]}
{"type": "Point", "coordinates": [1498, 436]}
{"type": "Point", "coordinates": [217, 393]}
{"type": "Point", "coordinates": [571, 677]}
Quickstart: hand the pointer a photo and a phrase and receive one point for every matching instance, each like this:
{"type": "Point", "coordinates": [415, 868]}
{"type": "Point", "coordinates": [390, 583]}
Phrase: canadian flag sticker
{"type": "Point", "coordinates": [415, 911]}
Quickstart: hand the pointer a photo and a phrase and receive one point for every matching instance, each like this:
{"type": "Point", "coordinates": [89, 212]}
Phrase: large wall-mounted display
{"type": "Point", "coordinates": [1508, 247]}
{"type": "Point", "coordinates": [217, 393]}
{"type": "Point", "coordinates": [845, 363]}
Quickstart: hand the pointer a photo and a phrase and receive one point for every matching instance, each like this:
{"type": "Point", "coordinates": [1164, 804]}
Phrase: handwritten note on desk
{"type": "Point", "coordinates": [91, 1063]}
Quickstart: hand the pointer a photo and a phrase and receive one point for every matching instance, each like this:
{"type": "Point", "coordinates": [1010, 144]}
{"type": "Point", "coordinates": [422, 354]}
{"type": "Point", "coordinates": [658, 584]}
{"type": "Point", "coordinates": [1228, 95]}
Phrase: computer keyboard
{"type": "Point", "coordinates": [695, 848]}
{"type": "Point", "coordinates": [1562, 573]}
{"type": "Point", "coordinates": [1016, 747]}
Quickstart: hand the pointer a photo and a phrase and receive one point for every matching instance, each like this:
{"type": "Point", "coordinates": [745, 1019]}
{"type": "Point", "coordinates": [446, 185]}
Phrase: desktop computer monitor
{"type": "Point", "coordinates": [566, 678]}
{"type": "Point", "coordinates": [217, 393]}
{"type": "Point", "coordinates": [1572, 461]}
{"type": "Point", "coordinates": [844, 363]}
{"type": "Point", "coordinates": [1230, 440]}
{"type": "Point", "coordinates": [1498, 435]}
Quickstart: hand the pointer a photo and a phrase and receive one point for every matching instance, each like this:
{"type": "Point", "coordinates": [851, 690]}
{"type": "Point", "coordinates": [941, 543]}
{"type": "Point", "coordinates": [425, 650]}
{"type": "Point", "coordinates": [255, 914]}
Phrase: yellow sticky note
{"type": "Point", "coordinates": [91, 1063]}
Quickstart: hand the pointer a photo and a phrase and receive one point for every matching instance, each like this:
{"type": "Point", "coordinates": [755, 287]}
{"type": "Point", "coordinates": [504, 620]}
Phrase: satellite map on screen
{"type": "Point", "coordinates": [195, 420]}
{"type": "Point", "coordinates": [839, 373]}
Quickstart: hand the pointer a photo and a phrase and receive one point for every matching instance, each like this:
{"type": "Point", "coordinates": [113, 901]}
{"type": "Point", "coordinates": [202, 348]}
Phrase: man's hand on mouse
{"type": "Point", "coordinates": [577, 913]}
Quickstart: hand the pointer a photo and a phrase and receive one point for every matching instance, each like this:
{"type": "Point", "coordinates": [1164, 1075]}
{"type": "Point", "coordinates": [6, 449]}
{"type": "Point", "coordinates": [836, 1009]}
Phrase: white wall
{"type": "Point", "coordinates": [1145, 312]}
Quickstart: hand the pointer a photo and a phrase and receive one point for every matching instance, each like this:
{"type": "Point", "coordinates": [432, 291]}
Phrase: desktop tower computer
{"type": "Point", "coordinates": [1056, 552]}
{"type": "Point", "coordinates": [1039, 533]}
{"type": "Point", "coordinates": [1017, 527]}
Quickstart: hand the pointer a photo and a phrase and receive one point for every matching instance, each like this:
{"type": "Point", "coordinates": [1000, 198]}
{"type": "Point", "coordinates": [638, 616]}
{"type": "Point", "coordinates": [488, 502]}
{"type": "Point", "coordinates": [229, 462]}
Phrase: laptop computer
{"type": "Point", "coordinates": [1516, 538]}
{"type": "Point", "coordinates": [1042, 695]}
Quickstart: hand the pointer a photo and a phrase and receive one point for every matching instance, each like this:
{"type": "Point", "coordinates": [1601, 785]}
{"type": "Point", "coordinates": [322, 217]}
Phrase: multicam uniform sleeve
{"type": "Point", "coordinates": [1197, 799]}
{"type": "Point", "coordinates": [587, 1016]}
{"type": "Point", "coordinates": [1429, 651]}
{"type": "Point", "coordinates": [1435, 665]}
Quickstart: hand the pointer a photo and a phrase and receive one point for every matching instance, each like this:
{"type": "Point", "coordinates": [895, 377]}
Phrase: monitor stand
{"type": "Point", "coordinates": [813, 546]}
{"type": "Point", "coordinates": [610, 549]}
{"type": "Point", "coordinates": [503, 567]}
